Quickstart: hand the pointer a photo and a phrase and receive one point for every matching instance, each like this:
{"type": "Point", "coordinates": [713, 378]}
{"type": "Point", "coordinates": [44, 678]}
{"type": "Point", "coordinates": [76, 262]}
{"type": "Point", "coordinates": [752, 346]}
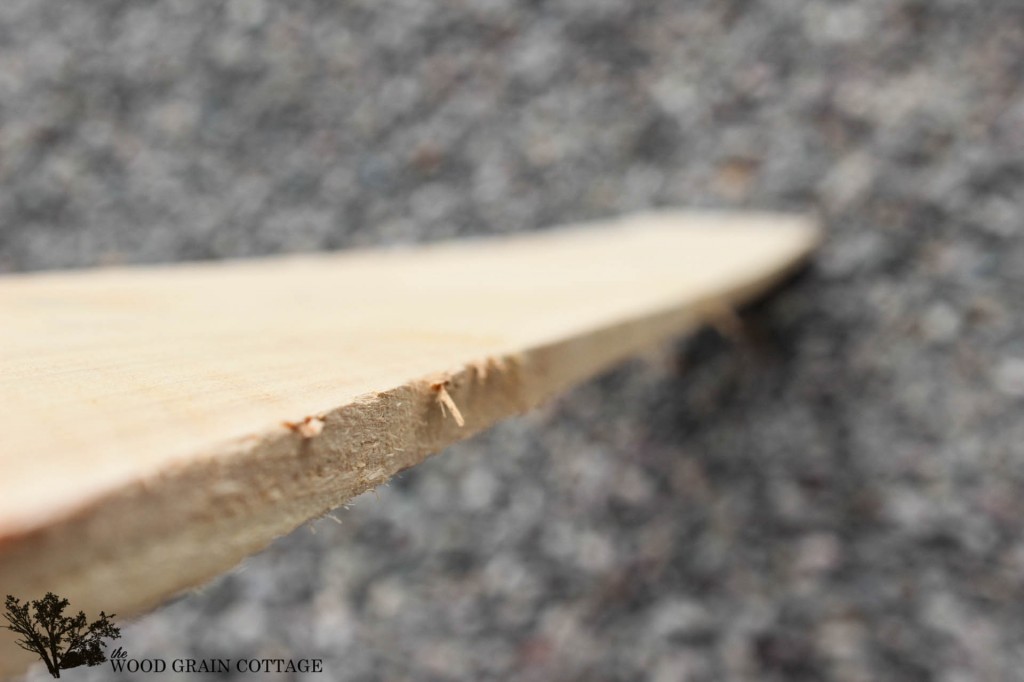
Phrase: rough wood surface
{"type": "Point", "coordinates": [159, 424]}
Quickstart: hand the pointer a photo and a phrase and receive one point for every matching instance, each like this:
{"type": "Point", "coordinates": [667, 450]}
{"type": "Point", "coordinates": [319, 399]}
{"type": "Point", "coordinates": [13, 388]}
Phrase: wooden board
{"type": "Point", "coordinates": [159, 424]}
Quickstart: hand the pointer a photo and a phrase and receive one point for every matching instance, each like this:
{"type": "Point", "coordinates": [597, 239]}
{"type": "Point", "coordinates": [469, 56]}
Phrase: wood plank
{"type": "Point", "coordinates": [159, 424]}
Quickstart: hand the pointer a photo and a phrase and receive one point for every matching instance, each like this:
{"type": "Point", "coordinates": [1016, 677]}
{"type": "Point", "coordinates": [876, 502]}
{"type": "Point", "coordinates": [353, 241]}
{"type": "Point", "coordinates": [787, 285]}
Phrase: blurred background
{"type": "Point", "coordinates": [839, 495]}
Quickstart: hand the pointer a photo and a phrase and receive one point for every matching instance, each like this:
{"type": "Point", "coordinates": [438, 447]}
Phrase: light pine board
{"type": "Point", "coordinates": [159, 424]}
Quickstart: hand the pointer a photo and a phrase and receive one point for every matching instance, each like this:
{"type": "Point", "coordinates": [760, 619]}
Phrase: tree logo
{"type": "Point", "coordinates": [61, 641]}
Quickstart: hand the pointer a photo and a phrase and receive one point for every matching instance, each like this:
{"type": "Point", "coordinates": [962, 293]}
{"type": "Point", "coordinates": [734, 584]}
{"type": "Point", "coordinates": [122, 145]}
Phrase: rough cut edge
{"type": "Point", "coordinates": [133, 549]}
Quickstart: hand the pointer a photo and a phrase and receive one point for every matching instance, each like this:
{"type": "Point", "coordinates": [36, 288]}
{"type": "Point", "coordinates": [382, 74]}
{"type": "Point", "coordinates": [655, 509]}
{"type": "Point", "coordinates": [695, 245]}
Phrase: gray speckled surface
{"type": "Point", "coordinates": [840, 498]}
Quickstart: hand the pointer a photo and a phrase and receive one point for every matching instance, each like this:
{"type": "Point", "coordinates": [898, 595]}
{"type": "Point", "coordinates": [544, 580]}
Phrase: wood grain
{"type": "Point", "coordinates": [159, 424]}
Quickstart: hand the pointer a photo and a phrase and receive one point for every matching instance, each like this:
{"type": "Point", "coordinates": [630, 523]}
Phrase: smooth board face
{"type": "Point", "coordinates": [170, 407]}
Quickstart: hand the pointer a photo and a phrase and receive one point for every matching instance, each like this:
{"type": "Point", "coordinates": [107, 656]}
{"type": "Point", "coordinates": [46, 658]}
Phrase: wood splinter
{"type": "Point", "coordinates": [308, 427]}
{"type": "Point", "coordinates": [445, 401]}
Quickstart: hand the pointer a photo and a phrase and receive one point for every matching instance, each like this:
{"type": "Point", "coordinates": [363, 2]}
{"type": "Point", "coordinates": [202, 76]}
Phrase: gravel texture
{"type": "Point", "coordinates": [837, 496]}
